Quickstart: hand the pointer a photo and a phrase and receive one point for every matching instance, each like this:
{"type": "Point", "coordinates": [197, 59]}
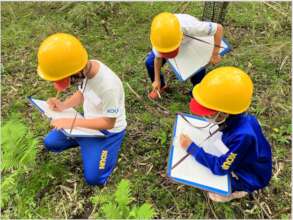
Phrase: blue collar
{"type": "Point", "coordinates": [233, 120]}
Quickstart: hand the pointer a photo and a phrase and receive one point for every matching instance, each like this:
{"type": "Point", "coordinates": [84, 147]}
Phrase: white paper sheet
{"type": "Point", "coordinates": [194, 55]}
{"type": "Point", "coordinates": [190, 170]}
{"type": "Point", "coordinates": [68, 113]}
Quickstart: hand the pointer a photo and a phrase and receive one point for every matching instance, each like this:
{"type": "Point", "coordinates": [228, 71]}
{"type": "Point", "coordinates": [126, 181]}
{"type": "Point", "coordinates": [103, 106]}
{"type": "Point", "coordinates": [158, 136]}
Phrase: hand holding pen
{"type": "Point", "coordinates": [55, 104]}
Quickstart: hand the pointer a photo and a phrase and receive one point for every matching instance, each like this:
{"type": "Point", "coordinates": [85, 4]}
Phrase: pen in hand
{"type": "Point", "coordinates": [54, 103]}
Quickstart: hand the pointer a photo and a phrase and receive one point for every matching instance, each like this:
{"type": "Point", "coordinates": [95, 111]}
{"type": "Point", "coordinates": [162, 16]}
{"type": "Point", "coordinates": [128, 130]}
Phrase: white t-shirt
{"type": "Point", "coordinates": [104, 97]}
{"type": "Point", "coordinates": [193, 27]}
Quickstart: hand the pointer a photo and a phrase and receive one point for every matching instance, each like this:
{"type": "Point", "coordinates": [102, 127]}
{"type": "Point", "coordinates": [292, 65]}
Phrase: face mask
{"type": "Point", "coordinates": [214, 119]}
{"type": "Point", "coordinates": [210, 123]}
{"type": "Point", "coordinates": [62, 85]}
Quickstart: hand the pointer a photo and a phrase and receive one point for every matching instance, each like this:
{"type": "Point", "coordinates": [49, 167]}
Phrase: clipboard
{"type": "Point", "coordinates": [195, 55]}
{"type": "Point", "coordinates": [190, 172]}
{"type": "Point", "coordinates": [43, 107]}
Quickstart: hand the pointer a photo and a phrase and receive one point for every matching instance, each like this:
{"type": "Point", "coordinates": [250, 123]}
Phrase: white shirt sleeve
{"type": "Point", "coordinates": [111, 103]}
{"type": "Point", "coordinates": [157, 54]}
{"type": "Point", "coordinates": [200, 29]}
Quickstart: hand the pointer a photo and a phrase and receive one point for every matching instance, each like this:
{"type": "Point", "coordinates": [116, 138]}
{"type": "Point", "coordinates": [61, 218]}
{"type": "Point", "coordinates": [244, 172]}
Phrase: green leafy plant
{"type": "Point", "coordinates": [21, 181]}
{"type": "Point", "coordinates": [22, 177]}
{"type": "Point", "coordinates": [163, 138]}
{"type": "Point", "coordinates": [282, 135]}
{"type": "Point", "coordinates": [118, 205]}
{"type": "Point", "coordinates": [19, 149]}
{"type": "Point", "coordinates": [18, 146]}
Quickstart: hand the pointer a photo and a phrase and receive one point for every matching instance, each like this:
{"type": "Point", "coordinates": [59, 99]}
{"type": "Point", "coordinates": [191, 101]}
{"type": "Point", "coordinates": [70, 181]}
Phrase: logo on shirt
{"type": "Point", "coordinates": [103, 160]}
{"type": "Point", "coordinates": [113, 110]}
{"type": "Point", "coordinates": [226, 165]}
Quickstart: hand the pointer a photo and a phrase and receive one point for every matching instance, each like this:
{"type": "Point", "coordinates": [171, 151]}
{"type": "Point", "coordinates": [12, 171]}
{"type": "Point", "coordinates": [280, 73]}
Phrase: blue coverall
{"type": "Point", "coordinates": [249, 155]}
{"type": "Point", "coordinates": [99, 155]}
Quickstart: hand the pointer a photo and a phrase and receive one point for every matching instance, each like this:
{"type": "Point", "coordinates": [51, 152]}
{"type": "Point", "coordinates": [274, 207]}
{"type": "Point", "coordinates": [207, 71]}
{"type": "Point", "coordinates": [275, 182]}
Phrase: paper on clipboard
{"type": "Point", "coordinates": [191, 172]}
{"type": "Point", "coordinates": [68, 113]}
{"type": "Point", "coordinates": [195, 55]}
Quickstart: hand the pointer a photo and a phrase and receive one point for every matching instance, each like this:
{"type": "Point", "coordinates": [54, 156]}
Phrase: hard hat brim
{"type": "Point", "coordinates": [196, 95]}
{"type": "Point", "coordinates": [198, 109]}
{"type": "Point", "coordinates": [171, 54]}
{"type": "Point", "coordinates": [45, 76]}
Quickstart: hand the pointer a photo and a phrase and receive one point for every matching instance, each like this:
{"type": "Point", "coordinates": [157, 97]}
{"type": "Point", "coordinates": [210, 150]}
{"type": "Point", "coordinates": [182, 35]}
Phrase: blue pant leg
{"type": "Point", "coordinates": [56, 141]}
{"type": "Point", "coordinates": [149, 63]}
{"type": "Point", "coordinates": [196, 78]}
{"type": "Point", "coordinates": [99, 156]}
{"type": "Point", "coordinates": [238, 185]}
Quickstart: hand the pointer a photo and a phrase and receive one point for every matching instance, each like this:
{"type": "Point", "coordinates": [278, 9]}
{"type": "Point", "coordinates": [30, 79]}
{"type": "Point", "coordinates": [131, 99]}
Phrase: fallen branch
{"type": "Point", "coordinates": [174, 199]}
{"type": "Point", "coordinates": [184, 7]}
{"type": "Point", "coordinates": [277, 215]}
{"type": "Point", "coordinates": [181, 8]}
{"type": "Point", "coordinates": [283, 63]}
{"type": "Point", "coordinates": [261, 206]}
{"type": "Point", "coordinates": [103, 23]}
{"type": "Point", "coordinates": [276, 9]}
{"type": "Point", "coordinates": [279, 168]}
{"type": "Point", "coordinates": [161, 108]}
{"type": "Point", "coordinates": [135, 93]}
{"type": "Point", "coordinates": [210, 205]}
{"type": "Point", "coordinates": [267, 207]}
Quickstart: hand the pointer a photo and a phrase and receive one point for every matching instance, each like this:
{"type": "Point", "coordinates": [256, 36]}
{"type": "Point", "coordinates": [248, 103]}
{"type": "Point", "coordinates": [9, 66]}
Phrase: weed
{"type": "Point", "coordinates": [117, 205]}
{"type": "Point", "coordinates": [19, 149]}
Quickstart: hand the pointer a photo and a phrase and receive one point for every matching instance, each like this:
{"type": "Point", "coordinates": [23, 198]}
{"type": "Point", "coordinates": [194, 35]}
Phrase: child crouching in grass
{"type": "Point", "coordinates": [222, 97]}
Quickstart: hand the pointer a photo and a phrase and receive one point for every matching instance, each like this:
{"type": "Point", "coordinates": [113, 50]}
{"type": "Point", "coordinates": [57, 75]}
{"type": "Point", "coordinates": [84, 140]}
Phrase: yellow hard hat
{"type": "Point", "coordinates": [59, 56]}
{"type": "Point", "coordinates": [166, 34]}
{"type": "Point", "coordinates": [225, 89]}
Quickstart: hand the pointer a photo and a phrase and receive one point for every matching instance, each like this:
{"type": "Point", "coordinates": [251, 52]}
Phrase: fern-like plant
{"type": "Point", "coordinates": [19, 148]}
{"type": "Point", "coordinates": [118, 205]}
{"type": "Point", "coordinates": [18, 153]}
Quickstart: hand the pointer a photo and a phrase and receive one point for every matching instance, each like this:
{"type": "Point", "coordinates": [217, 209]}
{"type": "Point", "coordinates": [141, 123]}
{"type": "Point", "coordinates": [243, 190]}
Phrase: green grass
{"type": "Point", "coordinates": [118, 35]}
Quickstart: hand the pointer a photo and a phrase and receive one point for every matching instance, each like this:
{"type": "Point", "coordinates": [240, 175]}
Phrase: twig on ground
{"type": "Point", "coordinates": [135, 93]}
{"type": "Point", "coordinates": [165, 110]}
{"type": "Point", "coordinates": [103, 23]}
{"type": "Point", "coordinates": [210, 205]}
{"type": "Point", "coordinates": [149, 169]}
{"type": "Point", "coordinates": [92, 212]}
{"type": "Point", "coordinates": [277, 215]}
{"type": "Point", "coordinates": [64, 210]}
{"type": "Point", "coordinates": [261, 207]}
{"type": "Point", "coordinates": [276, 9]}
{"type": "Point", "coordinates": [267, 207]}
{"type": "Point", "coordinates": [174, 199]}
{"type": "Point", "coordinates": [182, 7]}
{"type": "Point", "coordinates": [161, 108]}
{"type": "Point", "coordinates": [283, 63]}
{"type": "Point", "coordinates": [279, 168]}
{"type": "Point", "coordinates": [65, 7]}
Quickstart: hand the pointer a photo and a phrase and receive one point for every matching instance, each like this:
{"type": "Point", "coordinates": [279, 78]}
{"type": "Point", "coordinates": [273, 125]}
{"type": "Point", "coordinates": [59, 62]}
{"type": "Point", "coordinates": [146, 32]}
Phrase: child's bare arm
{"type": "Point", "coordinates": [57, 105]}
{"type": "Point", "coordinates": [95, 123]}
{"type": "Point", "coordinates": [157, 65]}
{"type": "Point", "coordinates": [75, 100]}
{"type": "Point", "coordinates": [217, 41]}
